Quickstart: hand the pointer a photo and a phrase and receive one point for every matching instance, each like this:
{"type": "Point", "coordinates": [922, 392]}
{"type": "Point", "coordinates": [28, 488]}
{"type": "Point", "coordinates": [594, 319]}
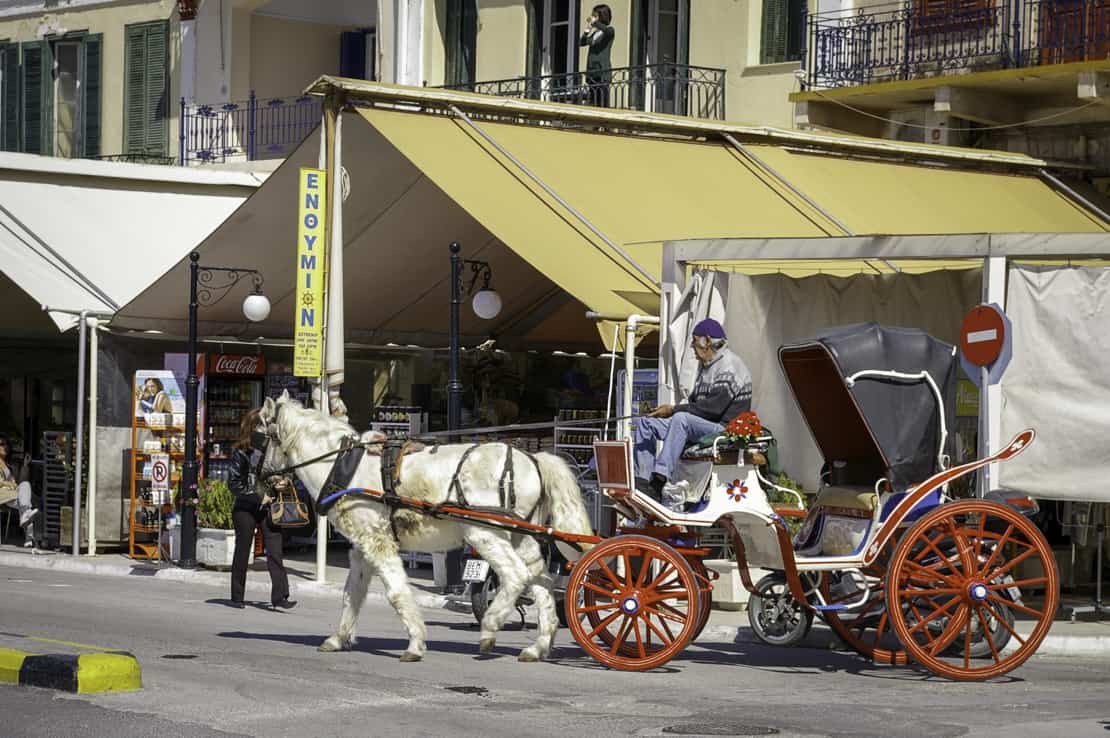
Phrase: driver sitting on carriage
{"type": "Point", "coordinates": [722, 390]}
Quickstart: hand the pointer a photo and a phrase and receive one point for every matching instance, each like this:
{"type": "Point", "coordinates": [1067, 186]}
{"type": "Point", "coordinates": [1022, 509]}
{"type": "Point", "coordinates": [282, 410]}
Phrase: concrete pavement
{"type": "Point", "coordinates": [1084, 638]}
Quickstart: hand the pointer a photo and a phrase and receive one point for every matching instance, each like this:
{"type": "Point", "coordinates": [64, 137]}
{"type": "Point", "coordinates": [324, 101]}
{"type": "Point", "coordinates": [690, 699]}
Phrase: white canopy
{"type": "Point", "coordinates": [91, 235]}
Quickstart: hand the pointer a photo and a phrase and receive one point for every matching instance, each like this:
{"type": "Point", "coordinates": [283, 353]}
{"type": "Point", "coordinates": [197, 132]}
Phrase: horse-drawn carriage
{"type": "Point", "coordinates": [898, 570]}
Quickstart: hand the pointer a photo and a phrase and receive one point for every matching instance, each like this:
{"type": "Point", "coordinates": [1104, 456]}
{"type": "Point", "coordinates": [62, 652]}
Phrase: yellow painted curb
{"type": "Point", "coordinates": [108, 672]}
{"type": "Point", "coordinates": [10, 664]}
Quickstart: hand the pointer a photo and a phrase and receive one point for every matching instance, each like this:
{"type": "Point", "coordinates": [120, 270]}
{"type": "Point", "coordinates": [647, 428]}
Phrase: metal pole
{"type": "Point", "coordinates": [91, 485]}
{"type": "Point", "coordinates": [188, 495]}
{"type": "Point", "coordinates": [454, 384]}
{"type": "Point", "coordinates": [79, 438]}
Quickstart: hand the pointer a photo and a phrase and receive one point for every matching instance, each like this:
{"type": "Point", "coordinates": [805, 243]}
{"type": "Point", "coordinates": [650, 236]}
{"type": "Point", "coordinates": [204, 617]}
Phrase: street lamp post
{"type": "Point", "coordinates": [486, 304]}
{"type": "Point", "coordinates": [256, 308]}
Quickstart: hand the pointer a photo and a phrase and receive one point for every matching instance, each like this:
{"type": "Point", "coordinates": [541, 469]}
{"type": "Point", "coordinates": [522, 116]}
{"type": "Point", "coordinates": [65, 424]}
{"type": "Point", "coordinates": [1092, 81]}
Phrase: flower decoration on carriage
{"type": "Point", "coordinates": [737, 490]}
{"type": "Point", "coordinates": [744, 428]}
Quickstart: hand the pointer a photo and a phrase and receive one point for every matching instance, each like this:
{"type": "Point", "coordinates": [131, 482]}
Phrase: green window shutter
{"type": "Point", "coordinates": [34, 77]}
{"type": "Point", "coordinates": [774, 36]}
{"type": "Point", "coordinates": [9, 96]}
{"type": "Point", "coordinates": [90, 104]}
{"type": "Point", "coordinates": [146, 89]}
{"type": "Point", "coordinates": [157, 89]}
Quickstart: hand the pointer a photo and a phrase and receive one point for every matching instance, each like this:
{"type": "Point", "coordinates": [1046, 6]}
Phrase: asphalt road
{"type": "Point", "coordinates": [210, 670]}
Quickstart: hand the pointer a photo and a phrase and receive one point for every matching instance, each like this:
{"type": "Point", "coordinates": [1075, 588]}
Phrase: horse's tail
{"type": "Point", "coordinates": [564, 496]}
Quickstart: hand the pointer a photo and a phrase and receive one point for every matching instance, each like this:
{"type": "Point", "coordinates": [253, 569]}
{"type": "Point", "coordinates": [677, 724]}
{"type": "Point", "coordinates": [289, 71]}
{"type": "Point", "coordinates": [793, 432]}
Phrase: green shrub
{"type": "Point", "coordinates": [216, 500]}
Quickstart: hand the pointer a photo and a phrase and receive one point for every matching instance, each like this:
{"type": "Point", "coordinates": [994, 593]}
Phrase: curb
{"type": "Point", "coordinates": [62, 562]}
{"type": "Point", "coordinates": [85, 673]}
{"type": "Point", "coordinates": [1052, 645]}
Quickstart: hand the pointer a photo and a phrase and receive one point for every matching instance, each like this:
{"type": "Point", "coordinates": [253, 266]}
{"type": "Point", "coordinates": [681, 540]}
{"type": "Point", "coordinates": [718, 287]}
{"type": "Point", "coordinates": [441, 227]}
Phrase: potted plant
{"type": "Point", "coordinates": [215, 531]}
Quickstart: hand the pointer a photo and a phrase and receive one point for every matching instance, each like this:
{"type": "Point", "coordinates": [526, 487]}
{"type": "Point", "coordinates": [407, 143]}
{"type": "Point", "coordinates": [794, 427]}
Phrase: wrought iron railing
{"type": "Point", "coordinates": [929, 38]}
{"type": "Point", "coordinates": [251, 129]}
{"type": "Point", "coordinates": [137, 157]}
{"type": "Point", "coordinates": [678, 89]}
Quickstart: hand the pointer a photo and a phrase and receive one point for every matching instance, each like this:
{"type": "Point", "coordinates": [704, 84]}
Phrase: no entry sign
{"type": "Point", "coordinates": [985, 343]}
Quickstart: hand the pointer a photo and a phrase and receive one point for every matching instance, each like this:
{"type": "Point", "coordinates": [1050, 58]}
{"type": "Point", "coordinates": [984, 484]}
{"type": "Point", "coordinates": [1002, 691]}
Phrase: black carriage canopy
{"type": "Point", "coordinates": [880, 427]}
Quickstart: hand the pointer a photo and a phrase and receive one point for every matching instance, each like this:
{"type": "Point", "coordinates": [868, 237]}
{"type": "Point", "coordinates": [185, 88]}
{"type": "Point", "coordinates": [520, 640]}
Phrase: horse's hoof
{"type": "Point", "coordinates": [486, 645]}
{"type": "Point", "coordinates": [333, 644]}
{"type": "Point", "coordinates": [528, 656]}
{"type": "Point", "coordinates": [409, 656]}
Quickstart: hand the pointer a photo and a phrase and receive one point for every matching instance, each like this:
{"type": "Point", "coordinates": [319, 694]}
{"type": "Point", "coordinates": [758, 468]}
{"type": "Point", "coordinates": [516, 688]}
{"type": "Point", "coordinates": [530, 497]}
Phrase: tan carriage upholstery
{"type": "Point", "coordinates": [863, 499]}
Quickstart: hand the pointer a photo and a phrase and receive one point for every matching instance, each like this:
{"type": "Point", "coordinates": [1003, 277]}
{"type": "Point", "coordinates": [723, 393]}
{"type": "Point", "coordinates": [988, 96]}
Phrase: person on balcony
{"type": "Point", "coordinates": [598, 35]}
{"type": "Point", "coordinates": [15, 491]}
{"type": "Point", "coordinates": [722, 390]}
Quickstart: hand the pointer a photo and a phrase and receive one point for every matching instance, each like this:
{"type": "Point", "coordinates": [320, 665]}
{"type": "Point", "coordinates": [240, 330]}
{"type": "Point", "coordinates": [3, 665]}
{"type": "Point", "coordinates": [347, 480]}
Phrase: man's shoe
{"type": "Point", "coordinates": [286, 604]}
{"type": "Point", "coordinates": [27, 516]}
{"type": "Point", "coordinates": [658, 481]}
{"type": "Point", "coordinates": [28, 543]}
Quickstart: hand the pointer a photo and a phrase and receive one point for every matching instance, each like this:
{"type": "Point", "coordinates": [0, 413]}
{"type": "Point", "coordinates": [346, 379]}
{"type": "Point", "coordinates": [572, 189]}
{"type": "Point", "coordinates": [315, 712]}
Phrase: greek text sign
{"type": "Point", "coordinates": [308, 319]}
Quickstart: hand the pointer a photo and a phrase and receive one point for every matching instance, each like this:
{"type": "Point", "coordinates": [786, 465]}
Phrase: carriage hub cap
{"type": "Point", "coordinates": [630, 605]}
{"type": "Point", "coordinates": [977, 591]}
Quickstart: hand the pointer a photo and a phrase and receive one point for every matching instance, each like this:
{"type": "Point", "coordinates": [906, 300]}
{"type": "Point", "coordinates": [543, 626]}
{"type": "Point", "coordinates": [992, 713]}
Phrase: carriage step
{"type": "Point", "coordinates": [829, 608]}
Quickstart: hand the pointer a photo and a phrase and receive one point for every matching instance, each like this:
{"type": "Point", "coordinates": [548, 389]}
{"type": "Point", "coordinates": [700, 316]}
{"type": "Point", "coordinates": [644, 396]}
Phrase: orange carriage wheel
{"type": "Point", "coordinates": [868, 629]}
{"type": "Point", "coordinates": [639, 603]}
{"type": "Point", "coordinates": [953, 579]}
{"type": "Point", "coordinates": [705, 593]}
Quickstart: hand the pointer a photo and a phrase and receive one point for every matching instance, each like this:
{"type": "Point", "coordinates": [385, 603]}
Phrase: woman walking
{"type": "Point", "coordinates": [249, 511]}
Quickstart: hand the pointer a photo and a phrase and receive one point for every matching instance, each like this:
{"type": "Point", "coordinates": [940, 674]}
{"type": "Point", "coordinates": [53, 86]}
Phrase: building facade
{"type": "Point", "coordinates": [210, 81]}
{"type": "Point", "coordinates": [1029, 76]}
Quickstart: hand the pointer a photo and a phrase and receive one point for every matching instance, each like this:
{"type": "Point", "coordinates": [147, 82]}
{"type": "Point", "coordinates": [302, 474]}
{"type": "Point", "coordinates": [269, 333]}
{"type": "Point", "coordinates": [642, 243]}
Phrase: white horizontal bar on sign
{"type": "Point", "coordinates": [980, 336]}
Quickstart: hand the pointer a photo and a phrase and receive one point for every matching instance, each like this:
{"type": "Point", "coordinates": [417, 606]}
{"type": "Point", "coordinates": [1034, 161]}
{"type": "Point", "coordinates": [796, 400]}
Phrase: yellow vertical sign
{"type": "Point", "coordinates": [308, 322]}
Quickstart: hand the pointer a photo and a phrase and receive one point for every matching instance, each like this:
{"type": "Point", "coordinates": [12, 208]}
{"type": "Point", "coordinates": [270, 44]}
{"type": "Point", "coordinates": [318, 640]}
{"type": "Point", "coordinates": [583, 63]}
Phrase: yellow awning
{"type": "Point", "coordinates": [872, 197]}
{"type": "Point", "coordinates": [797, 268]}
{"type": "Point", "coordinates": [637, 191]}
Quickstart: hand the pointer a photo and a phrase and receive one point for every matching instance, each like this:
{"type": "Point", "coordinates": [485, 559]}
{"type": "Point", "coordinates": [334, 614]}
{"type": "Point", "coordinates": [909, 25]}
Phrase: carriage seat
{"type": "Point", "coordinates": [847, 497]}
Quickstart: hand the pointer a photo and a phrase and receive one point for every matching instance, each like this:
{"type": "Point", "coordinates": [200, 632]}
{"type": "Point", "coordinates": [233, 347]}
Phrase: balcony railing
{"type": "Point", "coordinates": [930, 38]}
{"type": "Point", "coordinates": [251, 129]}
{"type": "Point", "coordinates": [678, 89]}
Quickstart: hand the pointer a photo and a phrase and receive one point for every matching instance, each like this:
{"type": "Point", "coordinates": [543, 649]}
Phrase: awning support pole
{"type": "Point", "coordinates": [644, 273]}
{"type": "Point", "coordinates": [79, 438]}
{"type": "Point", "coordinates": [1073, 194]}
{"type": "Point", "coordinates": [990, 396]}
{"type": "Point", "coordinates": [94, 347]}
{"type": "Point", "coordinates": [630, 368]}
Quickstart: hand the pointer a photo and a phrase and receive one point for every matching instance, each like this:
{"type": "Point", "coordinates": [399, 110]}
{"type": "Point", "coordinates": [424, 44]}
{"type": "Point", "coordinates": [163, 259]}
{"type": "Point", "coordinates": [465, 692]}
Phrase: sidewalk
{"type": "Point", "coordinates": [1085, 638]}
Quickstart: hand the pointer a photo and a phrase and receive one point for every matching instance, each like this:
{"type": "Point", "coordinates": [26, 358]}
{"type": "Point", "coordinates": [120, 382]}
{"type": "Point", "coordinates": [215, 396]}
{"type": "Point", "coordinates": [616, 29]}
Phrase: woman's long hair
{"type": "Point", "coordinates": [247, 426]}
{"type": "Point", "coordinates": [604, 14]}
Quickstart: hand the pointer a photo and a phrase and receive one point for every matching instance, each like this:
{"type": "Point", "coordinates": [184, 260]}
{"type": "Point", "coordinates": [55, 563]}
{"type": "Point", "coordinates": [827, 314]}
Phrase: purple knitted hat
{"type": "Point", "coordinates": [709, 328]}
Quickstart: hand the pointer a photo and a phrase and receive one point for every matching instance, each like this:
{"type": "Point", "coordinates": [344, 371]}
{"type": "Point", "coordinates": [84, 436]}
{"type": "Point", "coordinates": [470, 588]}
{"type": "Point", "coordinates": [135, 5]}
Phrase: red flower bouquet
{"type": "Point", "coordinates": [744, 428]}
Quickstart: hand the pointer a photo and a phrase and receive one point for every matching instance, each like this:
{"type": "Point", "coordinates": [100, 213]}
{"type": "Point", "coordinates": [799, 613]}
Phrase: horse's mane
{"type": "Point", "coordinates": [311, 422]}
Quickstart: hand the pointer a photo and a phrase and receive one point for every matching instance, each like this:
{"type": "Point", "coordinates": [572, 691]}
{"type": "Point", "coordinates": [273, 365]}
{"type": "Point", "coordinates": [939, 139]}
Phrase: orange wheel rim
{"type": "Point", "coordinates": [639, 603]}
{"type": "Point", "coordinates": [954, 583]}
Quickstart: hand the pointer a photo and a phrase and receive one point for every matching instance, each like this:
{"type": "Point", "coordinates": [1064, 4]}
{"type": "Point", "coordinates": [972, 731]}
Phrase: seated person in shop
{"type": "Point", "coordinates": [15, 490]}
{"type": "Point", "coordinates": [722, 390]}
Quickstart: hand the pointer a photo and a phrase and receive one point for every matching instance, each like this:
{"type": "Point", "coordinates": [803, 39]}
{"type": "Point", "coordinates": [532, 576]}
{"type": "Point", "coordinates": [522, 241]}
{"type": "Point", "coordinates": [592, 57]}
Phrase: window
{"type": "Point", "coordinates": [661, 44]}
{"type": "Point", "coordinates": [553, 43]}
{"type": "Point", "coordinates": [461, 42]}
{"type": "Point", "coordinates": [146, 89]}
{"type": "Point", "coordinates": [50, 96]}
{"type": "Point", "coordinates": [783, 31]}
{"type": "Point", "coordinates": [358, 54]}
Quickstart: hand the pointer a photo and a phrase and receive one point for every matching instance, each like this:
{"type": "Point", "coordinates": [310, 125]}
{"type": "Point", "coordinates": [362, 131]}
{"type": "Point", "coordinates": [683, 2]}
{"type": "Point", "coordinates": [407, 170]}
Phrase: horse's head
{"type": "Point", "coordinates": [271, 437]}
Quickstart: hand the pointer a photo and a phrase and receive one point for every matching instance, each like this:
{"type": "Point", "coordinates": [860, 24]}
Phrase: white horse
{"type": "Point", "coordinates": [546, 492]}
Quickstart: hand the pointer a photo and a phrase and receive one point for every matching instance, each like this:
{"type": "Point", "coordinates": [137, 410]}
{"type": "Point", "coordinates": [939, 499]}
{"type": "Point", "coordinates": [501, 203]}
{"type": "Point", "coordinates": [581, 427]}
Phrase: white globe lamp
{"type": "Point", "coordinates": [486, 304]}
{"type": "Point", "coordinates": [256, 307]}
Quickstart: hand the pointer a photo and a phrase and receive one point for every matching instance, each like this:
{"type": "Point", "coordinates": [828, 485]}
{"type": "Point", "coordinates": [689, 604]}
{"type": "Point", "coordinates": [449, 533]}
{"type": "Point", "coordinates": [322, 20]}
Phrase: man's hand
{"type": "Point", "coordinates": [663, 411]}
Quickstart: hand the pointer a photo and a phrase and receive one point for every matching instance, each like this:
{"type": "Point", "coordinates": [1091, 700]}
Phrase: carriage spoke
{"type": "Point", "coordinates": [645, 567]}
{"type": "Point", "coordinates": [661, 578]}
{"type": "Point", "coordinates": [604, 624]}
{"type": "Point", "coordinates": [598, 608]}
{"type": "Point", "coordinates": [987, 632]}
{"type": "Point", "coordinates": [917, 613]}
{"type": "Point", "coordinates": [621, 635]}
{"type": "Point", "coordinates": [674, 615]}
{"type": "Point", "coordinates": [1017, 583]}
{"type": "Point", "coordinates": [663, 637]}
{"type": "Point", "coordinates": [1002, 570]}
{"type": "Point", "coordinates": [967, 643]}
{"type": "Point", "coordinates": [922, 622]}
{"type": "Point", "coordinates": [949, 634]}
{"type": "Point", "coordinates": [639, 638]}
{"type": "Point", "coordinates": [1003, 623]}
{"type": "Point", "coordinates": [600, 590]}
{"type": "Point", "coordinates": [609, 573]}
{"type": "Point", "coordinates": [929, 571]}
{"type": "Point", "coordinates": [998, 548]}
{"type": "Point", "coordinates": [1016, 606]}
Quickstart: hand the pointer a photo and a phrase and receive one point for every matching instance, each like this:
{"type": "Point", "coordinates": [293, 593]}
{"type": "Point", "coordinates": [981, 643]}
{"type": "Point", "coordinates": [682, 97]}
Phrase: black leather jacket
{"type": "Point", "coordinates": [241, 481]}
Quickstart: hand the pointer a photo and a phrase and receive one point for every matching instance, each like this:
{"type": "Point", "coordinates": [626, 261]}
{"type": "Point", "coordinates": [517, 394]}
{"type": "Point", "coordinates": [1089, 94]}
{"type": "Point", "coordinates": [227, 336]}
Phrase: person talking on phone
{"type": "Point", "coordinates": [598, 35]}
{"type": "Point", "coordinates": [250, 511]}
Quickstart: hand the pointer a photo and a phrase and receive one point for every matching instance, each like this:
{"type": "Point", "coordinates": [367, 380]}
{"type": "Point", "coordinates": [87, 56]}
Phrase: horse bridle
{"type": "Point", "coordinates": [261, 440]}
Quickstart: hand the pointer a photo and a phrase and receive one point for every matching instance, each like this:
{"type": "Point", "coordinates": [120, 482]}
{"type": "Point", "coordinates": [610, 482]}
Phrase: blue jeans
{"type": "Point", "coordinates": [676, 432]}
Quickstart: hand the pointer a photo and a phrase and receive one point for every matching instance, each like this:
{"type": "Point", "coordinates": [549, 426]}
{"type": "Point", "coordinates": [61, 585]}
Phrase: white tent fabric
{"type": "Point", "coordinates": [704, 297]}
{"type": "Point", "coordinates": [89, 235]}
{"type": "Point", "coordinates": [334, 337]}
{"type": "Point", "coordinates": [1056, 382]}
{"type": "Point", "coordinates": [765, 312]}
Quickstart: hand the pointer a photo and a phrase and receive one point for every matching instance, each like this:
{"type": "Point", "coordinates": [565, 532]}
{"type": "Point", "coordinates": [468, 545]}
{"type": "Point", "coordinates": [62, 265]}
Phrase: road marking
{"type": "Point", "coordinates": [70, 643]}
{"type": "Point", "coordinates": [980, 336]}
{"type": "Point", "coordinates": [21, 581]}
{"type": "Point", "coordinates": [58, 585]}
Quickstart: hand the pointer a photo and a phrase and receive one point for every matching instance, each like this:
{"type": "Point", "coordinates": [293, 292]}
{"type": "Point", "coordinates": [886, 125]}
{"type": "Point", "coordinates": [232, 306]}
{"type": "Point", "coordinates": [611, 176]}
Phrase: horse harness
{"type": "Point", "coordinates": [352, 450]}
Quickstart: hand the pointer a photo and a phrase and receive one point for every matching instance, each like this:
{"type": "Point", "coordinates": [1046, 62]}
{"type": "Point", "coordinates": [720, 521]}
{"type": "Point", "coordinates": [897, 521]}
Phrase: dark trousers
{"type": "Point", "coordinates": [246, 522]}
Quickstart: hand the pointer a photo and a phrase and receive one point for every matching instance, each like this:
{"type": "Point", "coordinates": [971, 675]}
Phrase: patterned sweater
{"type": "Point", "coordinates": [722, 389]}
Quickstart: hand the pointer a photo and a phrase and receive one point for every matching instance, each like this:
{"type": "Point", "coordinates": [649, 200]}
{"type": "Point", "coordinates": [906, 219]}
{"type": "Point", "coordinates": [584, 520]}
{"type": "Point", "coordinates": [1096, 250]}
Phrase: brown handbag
{"type": "Point", "coordinates": [287, 510]}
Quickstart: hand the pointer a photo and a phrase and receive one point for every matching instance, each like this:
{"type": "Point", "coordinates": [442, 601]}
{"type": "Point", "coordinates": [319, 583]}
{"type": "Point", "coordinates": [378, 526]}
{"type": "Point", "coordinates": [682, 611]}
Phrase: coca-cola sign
{"type": "Point", "coordinates": [241, 366]}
